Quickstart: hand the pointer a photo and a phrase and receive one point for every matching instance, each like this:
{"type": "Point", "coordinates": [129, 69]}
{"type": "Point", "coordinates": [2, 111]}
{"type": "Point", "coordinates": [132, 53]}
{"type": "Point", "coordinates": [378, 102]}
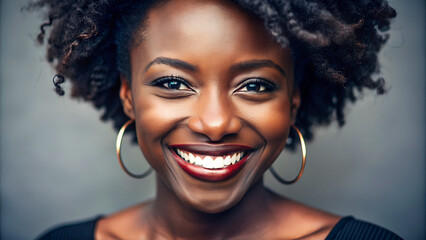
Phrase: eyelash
{"type": "Point", "coordinates": [267, 85]}
{"type": "Point", "coordinates": [160, 82]}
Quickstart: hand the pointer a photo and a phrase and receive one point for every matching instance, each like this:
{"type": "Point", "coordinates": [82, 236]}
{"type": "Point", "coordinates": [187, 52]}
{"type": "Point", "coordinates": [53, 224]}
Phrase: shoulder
{"type": "Point", "coordinates": [129, 223]}
{"type": "Point", "coordinates": [83, 230]}
{"type": "Point", "coordinates": [304, 221]}
{"type": "Point", "coordinates": [350, 228]}
{"type": "Point", "coordinates": [307, 222]}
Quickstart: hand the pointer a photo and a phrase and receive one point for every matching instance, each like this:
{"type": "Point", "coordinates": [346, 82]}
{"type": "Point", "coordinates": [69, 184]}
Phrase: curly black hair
{"type": "Point", "coordinates": [334, 44]}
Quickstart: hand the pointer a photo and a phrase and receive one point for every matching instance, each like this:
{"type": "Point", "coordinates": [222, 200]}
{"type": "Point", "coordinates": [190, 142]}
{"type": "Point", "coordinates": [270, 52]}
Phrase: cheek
{"type": "Point", "coordinates": [272, 122]}
{"type": "Point", "coordinates": [155, 118]}
{"type": "Point", "coordinates": [271, 119]}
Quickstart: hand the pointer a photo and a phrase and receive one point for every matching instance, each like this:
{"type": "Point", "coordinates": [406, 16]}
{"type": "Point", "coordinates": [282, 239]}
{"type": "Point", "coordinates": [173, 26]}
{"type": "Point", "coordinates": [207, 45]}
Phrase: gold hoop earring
{"type": "Point", "coordinates": [303, 145]}
{"type": "Point", "coordinates": [118, 147]}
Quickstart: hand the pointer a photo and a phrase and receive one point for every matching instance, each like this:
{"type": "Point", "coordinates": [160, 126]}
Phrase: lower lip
{"type": "Point", "coordinates": [211, 175]}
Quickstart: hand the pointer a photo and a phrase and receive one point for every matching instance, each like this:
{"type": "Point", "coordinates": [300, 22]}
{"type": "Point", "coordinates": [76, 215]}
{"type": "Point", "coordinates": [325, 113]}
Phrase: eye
{"type": "Point", "coordinates": [257, 85]}
{"type": "Point", "coordinates": [172, 83]}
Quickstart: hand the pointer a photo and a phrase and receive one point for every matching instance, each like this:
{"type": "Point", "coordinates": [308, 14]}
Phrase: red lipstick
{"type": "Point", "coordinates": [208, 174]}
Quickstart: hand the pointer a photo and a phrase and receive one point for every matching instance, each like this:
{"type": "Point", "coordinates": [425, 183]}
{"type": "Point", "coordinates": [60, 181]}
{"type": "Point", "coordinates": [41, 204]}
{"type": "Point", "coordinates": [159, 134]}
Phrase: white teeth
{"type": "Point", "coordinates": [210, 162]}
{"type": "Point", "coordinates": [218, 162]}
{"type": "Point", "coordinates": [191, 158]}
{"type": "Point", "coordinates": [198, 161]}
{"type": "Point", "coordinates": [233, 159]}
{"type": "Point", "coordinates": [227, 161]}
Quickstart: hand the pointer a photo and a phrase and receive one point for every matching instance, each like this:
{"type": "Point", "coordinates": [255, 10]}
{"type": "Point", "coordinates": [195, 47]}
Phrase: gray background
{"type": "Point", "coordinates": [58, 162]}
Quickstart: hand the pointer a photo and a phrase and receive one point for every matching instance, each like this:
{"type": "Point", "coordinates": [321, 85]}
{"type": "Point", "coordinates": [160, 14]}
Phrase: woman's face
{"type": "Point", "coordinates": [212, 97]}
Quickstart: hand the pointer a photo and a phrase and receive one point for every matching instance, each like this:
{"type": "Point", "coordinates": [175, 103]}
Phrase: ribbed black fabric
{"type": "Point", "coordinates": [77, 231]}
{"type": "Point", "coordinates": [347, 228]}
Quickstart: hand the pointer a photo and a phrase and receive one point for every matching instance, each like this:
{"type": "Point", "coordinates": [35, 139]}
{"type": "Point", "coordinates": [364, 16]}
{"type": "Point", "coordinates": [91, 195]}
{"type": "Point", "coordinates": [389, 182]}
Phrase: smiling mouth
{"type": "Point", "coordinates": [211, 163]}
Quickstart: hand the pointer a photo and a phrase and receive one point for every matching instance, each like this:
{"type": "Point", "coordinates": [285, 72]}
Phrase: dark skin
{"type": "Point", "coordinates": [223, 81]}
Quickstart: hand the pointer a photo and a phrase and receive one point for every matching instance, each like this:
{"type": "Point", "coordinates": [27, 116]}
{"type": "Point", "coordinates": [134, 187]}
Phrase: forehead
{"type": "Point", "coordinates": [211, 30]}
{"type": "Point", "coordinates": [206, 21]}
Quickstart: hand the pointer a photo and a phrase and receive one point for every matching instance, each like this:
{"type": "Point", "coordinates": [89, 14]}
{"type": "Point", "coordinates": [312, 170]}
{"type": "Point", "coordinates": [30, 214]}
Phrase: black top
{"type": "Point", "coordinates": [347, 228]}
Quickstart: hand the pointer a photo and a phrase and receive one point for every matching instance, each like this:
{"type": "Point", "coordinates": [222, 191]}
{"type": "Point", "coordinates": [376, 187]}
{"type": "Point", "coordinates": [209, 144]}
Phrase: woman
{"type": "Point", "coordinates": [214, 88]}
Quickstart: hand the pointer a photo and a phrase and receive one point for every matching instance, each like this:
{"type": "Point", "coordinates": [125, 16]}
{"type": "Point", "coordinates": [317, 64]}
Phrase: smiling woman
{"type": "Point", "coordinates": [213, 88]}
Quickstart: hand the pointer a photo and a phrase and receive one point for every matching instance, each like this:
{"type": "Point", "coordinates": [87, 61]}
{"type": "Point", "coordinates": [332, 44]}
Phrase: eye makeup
{"type": "Point", "coordinates": [171, 83]}
{"type": "Point", "coordinates": [256, 85]}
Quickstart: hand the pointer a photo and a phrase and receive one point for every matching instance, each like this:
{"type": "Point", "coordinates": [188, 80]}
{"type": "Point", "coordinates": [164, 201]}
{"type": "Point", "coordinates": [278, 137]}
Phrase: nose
{"type": "Point", "coordinates": [214, 117]}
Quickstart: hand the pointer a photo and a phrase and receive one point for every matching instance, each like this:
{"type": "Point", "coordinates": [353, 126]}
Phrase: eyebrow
{"type": "Point", "coordinates": [254, 64]}
{"type": "Point", "coordinates": [241, 66]}
{"type": "Point", "coordinates": [172, 62]}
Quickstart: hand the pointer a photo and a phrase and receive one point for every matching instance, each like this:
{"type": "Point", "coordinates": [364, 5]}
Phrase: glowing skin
{"type": "Point", "coordinates": [214, 108]}
{"type": "Point", "coordinates": [207, 78]}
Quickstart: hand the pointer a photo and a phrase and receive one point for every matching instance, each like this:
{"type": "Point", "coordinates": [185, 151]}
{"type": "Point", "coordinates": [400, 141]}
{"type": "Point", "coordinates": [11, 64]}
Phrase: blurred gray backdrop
{"type": "Point", "coordinates": [58, 162]}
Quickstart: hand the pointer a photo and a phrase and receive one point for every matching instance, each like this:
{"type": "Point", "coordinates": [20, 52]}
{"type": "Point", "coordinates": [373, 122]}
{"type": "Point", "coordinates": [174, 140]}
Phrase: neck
{"type": "Point", "coordinates": [172, 218]}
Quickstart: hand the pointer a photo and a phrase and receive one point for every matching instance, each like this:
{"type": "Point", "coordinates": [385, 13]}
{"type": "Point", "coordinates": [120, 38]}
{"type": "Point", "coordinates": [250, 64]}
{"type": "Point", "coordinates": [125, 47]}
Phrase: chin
{"type": "Point", "coordinates": [211, 202]}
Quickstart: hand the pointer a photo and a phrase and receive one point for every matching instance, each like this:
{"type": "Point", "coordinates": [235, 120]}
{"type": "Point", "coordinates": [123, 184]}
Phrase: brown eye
{"type": "Point", "coordinates": [175, 85]}
{"type": "Point", "coordinates": [254, 87]}
{"type": "Point", "coordinates": [172, 83]}
{"type": "Point", "coordinates": [257, 86]}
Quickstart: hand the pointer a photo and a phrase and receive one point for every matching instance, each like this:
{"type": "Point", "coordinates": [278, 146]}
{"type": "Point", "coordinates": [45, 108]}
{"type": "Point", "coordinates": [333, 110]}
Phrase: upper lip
{"type": "Point", "coordinates": [212, 149]}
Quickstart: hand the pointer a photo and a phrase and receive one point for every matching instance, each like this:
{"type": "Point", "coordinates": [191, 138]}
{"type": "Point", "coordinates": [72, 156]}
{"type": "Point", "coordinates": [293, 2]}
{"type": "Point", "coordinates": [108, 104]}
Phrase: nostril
{"type": "Point", "coordinates": [213, 115]}
{"type": "Point", "coordinates": [215, 128]}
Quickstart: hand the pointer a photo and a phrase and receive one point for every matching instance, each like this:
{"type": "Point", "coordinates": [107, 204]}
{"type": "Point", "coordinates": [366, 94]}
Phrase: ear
{"type": "Point", "coordinates": [126, 98]}
{"type": "Point", "coordinates": [295, 104]}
